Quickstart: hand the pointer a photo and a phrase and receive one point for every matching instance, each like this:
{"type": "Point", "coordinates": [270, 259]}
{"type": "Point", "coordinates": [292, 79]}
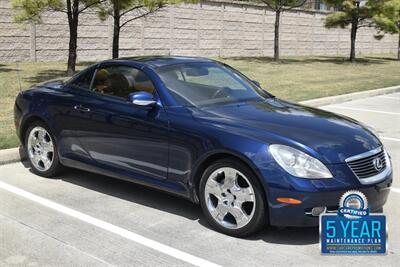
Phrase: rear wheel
{"type": "Point", "coordinates": [232, 199]}
{"type": "Point", "coordinates": [41, 150]}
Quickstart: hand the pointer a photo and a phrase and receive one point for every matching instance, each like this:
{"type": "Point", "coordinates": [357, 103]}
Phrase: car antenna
{"type": "Point", "coordinates": [19, 78]}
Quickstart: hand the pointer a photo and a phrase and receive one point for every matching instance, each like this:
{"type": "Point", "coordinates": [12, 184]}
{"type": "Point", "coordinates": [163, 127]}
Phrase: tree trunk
{"type": "Point", "coordinates": [398, 48]}
{"type": "Point", "coordinates": [353, 36]}
{"type": "Point", "coordinates": [73, 37]}
{"type": "Point", "coordinates": [73, 13]}
{"type": "Point", "coordinates": [276, 37]}
{"type": "Point", "coordinates": [117, 28]}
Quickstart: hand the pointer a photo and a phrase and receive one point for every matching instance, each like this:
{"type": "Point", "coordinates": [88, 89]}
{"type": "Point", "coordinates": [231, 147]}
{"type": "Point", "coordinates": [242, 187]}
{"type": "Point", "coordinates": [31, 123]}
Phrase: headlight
{"type": "Point", "coordinates": [298, 163]}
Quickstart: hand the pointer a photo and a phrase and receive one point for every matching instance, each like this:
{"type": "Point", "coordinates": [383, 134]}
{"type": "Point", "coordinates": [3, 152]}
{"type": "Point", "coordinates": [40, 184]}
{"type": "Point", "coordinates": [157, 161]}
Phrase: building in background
{"type": "Point", "coordinates": [318, 5]}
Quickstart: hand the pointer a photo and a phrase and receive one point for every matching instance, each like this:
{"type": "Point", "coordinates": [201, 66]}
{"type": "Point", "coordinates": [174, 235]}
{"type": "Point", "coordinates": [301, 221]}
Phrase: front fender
{"type": "Point", "coordinates": [208, 158]}
{"type": "Point", "coordinates": [31, 108]}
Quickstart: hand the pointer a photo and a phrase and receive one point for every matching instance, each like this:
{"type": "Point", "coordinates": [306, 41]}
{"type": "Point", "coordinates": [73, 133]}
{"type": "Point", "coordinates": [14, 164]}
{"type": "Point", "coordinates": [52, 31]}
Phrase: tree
{"type": "Point", "coordinates": [125, 11]}
{"type": "Point", "coordinates": [31, 10]}
{"type": "Point", "coordinates": [356, 13]}
{"type": "Point", "coordinates": [388, 20]}
{"type": "Point", "coordinates": [279, 6]}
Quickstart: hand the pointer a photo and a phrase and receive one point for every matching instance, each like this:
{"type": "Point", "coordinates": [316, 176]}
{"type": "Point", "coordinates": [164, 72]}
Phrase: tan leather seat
{"type": "Point", "coordinates": [100, 80]}
{"type": "Point", "coordinates": [142, 82]}
{"type": "Point", "coordinates": [119, 84]}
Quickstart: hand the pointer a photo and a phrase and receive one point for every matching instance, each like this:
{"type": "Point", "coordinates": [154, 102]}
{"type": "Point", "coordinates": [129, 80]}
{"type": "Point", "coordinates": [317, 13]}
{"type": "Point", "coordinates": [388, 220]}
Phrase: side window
{"type": "Point", "coordinates": [84, 80]}
{"type": "Point", "coordinates": [121, 81]}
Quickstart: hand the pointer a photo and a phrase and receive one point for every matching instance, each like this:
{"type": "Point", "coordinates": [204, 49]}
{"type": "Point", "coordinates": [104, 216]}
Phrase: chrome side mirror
{"type": "Point", "coordinates": [142, 98]}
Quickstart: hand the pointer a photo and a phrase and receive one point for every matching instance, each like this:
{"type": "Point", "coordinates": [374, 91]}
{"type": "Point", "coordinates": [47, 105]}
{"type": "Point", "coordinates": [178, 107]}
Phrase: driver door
{"type": "Point", "coordinates": [119, 136]}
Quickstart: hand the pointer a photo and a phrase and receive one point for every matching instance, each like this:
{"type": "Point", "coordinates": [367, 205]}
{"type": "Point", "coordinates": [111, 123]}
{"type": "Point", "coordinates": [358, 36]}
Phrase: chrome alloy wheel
{"type": "Point", "coordinates": [40, 149]}
{"type": "Point", "coordinates": [230, 198]}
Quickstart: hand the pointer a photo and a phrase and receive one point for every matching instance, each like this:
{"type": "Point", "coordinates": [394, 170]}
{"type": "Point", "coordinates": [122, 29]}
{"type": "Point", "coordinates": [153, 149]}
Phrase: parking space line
{"type": "Point", "coordinates": [397, 190]}
{"type": "Point", "coordinates": [367, 110]}
{"type": "Point", "coordinates": [389, 138]}
{"type": "Point", "coordinates": [390, 97]}
{"type": "Point", "coordinates": [178, 254]}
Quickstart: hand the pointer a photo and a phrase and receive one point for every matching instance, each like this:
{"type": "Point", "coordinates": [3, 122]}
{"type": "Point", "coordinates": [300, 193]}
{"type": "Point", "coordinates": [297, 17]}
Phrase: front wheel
{"type": "Point", "coordinates": [232, 199]}
{"type": "Point", "coordinates": [41, 150]}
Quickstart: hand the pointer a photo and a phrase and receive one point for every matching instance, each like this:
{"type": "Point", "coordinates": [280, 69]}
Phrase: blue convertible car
{"type": "Point", "coordinates": [199, 129]}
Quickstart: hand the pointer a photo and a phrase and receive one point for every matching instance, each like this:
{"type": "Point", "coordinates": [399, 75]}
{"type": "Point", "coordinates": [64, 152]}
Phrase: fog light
{"type": "Point", "coordinates": [317, 211]}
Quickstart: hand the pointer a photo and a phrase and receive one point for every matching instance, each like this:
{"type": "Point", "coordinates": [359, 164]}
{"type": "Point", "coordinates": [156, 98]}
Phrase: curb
{"type": "Point", "coordinates": [17, 154]}
{"type": "Point", "coordinates": [11, 155]}
{"type": "Point", "coordinates": [349, 97]}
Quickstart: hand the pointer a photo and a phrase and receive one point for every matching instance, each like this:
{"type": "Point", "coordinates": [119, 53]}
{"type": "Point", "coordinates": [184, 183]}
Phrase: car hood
{"type": "Point", "coordinates": [330, 137]}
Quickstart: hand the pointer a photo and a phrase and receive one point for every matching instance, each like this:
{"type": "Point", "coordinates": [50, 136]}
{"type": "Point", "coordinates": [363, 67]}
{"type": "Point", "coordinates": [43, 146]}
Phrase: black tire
{"type": "Point", "coordinates": [259, 218]}
{"type": "Point", "coordinates": [55, 167]}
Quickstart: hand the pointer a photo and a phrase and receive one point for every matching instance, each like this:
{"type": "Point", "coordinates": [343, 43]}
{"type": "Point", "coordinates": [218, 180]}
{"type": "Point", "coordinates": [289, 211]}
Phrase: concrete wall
{"type": "Point", "coordinates": [208, 29]}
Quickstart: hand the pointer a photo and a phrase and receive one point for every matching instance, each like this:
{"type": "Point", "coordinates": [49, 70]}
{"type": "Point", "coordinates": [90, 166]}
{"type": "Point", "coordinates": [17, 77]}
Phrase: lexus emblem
{"type": "Point", "coordinates": [378, 164]}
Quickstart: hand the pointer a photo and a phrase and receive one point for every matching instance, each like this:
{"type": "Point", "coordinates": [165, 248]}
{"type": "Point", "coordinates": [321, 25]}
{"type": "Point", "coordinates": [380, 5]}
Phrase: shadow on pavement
{"type": "Point", "coordinates": [4, 68]}
{"type": "Point", "coordinates": [132, 192]}
{"type": "Point", "coordinates": [290, 235]}
{"type": "Point", "coordinates": [162, 201]}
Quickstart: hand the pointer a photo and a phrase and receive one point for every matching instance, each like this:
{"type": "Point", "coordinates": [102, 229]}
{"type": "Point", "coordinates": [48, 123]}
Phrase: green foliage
{"type": "Point", "coordinates": [388, 19]}
{"type": "Point", "coordinates": [107, 8]}
{"type": "Point", "coordinates": [125, 11]}
{"type": "Point", "coordinates": [337, 19]}
{"type": "Point", "coordinates": [135, 8]}
{"type": "Point", "coordinates": [281, 5]}
{"type": "Point", "coordinates": [357, 13]}
{"type": "Point", "coordinates": [361, 11]}
{"type": "Point", "coordinates": [30, 10]}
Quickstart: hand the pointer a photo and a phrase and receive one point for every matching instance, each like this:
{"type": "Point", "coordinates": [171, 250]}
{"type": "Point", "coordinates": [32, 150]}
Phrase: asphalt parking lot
{"type": "Point", "coordinates": [82, 219]}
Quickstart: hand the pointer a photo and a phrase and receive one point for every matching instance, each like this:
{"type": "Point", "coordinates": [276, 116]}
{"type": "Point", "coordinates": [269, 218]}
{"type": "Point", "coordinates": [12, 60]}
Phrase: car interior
{"type": "Point", "coordinates": [121, 81]}
{"type": "Point", "coordinates": [191, 86]}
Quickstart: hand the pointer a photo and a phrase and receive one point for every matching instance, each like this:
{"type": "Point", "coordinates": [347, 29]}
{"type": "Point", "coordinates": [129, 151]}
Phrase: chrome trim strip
{"type": "Point", "coordinates": [364, 155]}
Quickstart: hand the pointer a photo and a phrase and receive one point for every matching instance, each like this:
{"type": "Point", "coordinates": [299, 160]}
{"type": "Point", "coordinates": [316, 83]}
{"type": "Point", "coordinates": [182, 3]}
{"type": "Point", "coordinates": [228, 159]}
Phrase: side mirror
{"type": "Point", "coordinates": [142, 98]}
{"type": "Point", "coordinates": [256, 83]}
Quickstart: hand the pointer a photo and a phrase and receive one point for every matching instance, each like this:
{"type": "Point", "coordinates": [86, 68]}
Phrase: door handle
{"type": "Point", "coordinates": [81, 108]}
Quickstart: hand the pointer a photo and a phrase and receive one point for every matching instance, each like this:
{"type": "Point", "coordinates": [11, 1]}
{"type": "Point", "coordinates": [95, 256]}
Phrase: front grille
{"type": "Point", "coordinates": [365, 167]}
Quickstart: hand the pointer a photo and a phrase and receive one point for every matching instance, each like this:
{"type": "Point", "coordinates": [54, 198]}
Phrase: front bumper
{"type": "Point", "coordinates": [319, 193]}
{"type": "Point", "coordinates": [296, 215]}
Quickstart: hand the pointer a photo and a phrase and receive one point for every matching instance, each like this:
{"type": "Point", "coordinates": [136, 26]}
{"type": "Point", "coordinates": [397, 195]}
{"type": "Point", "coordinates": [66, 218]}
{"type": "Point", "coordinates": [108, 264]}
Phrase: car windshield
{"type": "Point", "coordinates": [200, 84]}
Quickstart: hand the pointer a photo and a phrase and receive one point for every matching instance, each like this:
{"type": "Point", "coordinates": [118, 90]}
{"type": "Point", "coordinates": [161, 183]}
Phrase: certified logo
{"type": "Point", "coordinates": [353, 205]}
{"type": "Point", "coordinates": [378, 164]}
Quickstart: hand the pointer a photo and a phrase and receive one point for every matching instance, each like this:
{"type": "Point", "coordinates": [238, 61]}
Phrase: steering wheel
{"type": "Point", "coordinates": [219, 91]}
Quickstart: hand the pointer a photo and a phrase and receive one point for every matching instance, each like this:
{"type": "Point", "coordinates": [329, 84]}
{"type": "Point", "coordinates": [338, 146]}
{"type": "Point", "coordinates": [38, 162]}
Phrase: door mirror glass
{"type": "Point", "coordinates": [142, 99]}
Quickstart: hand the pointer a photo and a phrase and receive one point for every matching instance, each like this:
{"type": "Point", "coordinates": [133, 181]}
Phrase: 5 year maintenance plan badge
{"type": "Point", "coordinates": [353, 229]}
